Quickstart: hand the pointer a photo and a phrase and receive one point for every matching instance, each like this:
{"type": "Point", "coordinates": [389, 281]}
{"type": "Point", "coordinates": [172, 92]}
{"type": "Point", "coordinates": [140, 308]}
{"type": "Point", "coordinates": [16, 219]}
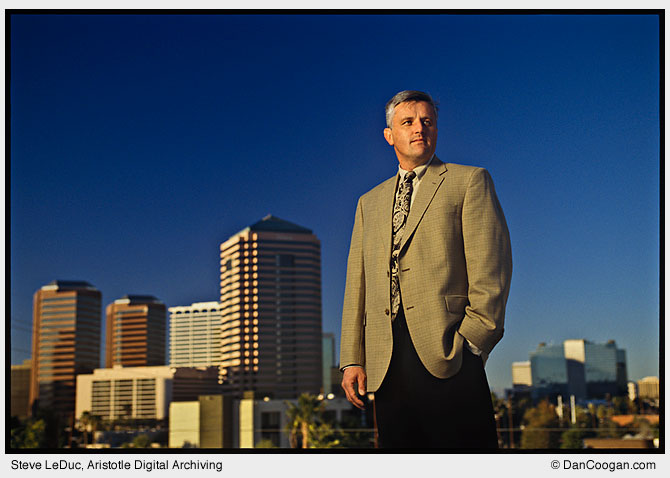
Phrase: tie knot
{"type": "Point", "coordinates": [409, 177]}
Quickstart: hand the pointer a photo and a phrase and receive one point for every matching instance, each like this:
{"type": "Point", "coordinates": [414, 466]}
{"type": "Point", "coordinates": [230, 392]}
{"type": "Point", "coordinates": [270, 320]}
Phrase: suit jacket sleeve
{"type": "Point", "coordinates": [488, 257]}
{"type": "Point", "coordinates": [352, 343]}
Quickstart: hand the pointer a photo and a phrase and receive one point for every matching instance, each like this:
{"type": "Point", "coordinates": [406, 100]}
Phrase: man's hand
{"type": "Point", "coordinates": [354, 377]}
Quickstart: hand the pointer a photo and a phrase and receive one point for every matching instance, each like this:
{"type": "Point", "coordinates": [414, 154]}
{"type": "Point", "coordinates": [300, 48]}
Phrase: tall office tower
{"type": "Point", "coordinates": [135, 332]}
{"type": "Point", "coordinates": [195, 335]}
{"type": "Point", "coordinates": [66, 342]}
{"type": "Point", "coordinates": [271, 310]}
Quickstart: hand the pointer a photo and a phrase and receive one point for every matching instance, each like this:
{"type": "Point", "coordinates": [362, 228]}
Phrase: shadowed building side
{"type": "Point", "coordinates": [20, 389]}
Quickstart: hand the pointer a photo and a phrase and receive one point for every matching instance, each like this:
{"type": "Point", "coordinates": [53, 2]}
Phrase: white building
{"type": "Point", "coordinates": [141, 392]}
{"type": "Point", "coordinates": [195, 335]}
{"type": "Point", "coordinates": [521, 374]}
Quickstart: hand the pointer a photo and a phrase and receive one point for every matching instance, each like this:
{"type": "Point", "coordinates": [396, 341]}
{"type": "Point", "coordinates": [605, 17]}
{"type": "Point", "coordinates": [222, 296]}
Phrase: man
{"type": "Point", "coordinates": [428, 277]}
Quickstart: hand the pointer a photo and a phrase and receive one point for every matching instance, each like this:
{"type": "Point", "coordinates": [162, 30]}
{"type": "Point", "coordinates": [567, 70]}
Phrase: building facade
{"type": "Point", "coordinates": [135, 332]}
{"type": "Point", "coordinates": [206, 423]}
{"type": "Point", "coordinates": [223, 422]}
{"type": "Point", "coordinates": [595, 370]}
{"type": "Point", "coordinates": [271, 310]}
{"type": "Point", "coordinates": [549, 373]}
{"type": "Point", "coordinates": [328, 357]}
{"type": "Point", "coordinates": [649, 388]}
{"type": "Point", "coordinates": [20, 389]}
{"type": "Point", "coordinates": [141, 393]}
{"type": "Point", "coordinates": [195, 335]}
{"type": "Point", "coordinates": [521, 375]}
{"type": "Point", "coordinates": [65, 342]}
{"type": "Point", "coordinates": [579, 367]}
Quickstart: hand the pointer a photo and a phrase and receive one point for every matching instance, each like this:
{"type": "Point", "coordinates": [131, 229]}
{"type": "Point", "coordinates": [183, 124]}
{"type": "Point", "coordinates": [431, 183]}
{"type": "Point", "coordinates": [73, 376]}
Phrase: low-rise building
{"type": "Point", "coordinates": [223, 422]}
{"type": "Point", "coordinates": [143, 393]}
{"type": "Point", "coordinates": [20, 389]}
{"type": "Point", "coordinates": [648, 388]}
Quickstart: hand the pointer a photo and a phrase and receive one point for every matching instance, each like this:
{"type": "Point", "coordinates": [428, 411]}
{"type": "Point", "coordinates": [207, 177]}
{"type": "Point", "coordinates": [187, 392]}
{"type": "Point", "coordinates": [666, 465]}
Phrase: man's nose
{"type": "Point", "coordinates": [419, 127]}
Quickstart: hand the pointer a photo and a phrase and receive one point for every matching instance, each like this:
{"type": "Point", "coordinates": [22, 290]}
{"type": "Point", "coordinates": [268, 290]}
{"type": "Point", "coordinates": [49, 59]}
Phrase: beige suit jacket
{"type": "Point", "coordinates": [455, 269]}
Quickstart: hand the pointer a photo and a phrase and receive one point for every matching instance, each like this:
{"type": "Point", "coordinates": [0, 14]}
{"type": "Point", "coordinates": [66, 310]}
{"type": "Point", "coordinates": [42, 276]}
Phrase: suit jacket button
{"type": "Point", "coordinates": [386, 312]}
{"type": "Point", "coordinates": [388, 274]}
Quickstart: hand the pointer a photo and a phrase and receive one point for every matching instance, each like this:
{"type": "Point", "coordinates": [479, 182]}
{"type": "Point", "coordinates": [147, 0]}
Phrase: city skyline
{"type": "Point", "coordinates": [135, 155]}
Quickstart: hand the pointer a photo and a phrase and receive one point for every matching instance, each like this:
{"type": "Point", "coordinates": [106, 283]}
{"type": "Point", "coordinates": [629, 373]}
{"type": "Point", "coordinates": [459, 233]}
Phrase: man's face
{"type": "Point", "coordinates": [414, 133]}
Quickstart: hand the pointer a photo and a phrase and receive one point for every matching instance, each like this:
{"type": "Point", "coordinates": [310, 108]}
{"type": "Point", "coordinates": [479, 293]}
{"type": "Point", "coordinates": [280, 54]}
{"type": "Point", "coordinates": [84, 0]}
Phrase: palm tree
{"type": "Point", "coordinates": [89, 422]}
{"type": "Point", "coordinates": [84, 422]}
{"type": "Point", "coordinates": [95, 421]}
{"type": "Point", "coordinates": [302, 417]}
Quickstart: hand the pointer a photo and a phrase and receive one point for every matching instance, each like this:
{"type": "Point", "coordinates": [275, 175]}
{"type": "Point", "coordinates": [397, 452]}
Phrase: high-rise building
{"type": "Point", "coordinates": [20, 389]}
{"type": "Point", "coordinates": [195, 335]}
{"type": "Point", "coordinates": [271, 310]}
{"type": "Point", "coordinates": [66, 342]}
{"type": "Point", "coordinates": [135, 332]}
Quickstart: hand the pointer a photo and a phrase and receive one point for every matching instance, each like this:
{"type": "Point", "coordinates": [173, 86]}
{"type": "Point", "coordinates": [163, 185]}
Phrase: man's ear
{"type": "Point", "coordinates": [388, 135]}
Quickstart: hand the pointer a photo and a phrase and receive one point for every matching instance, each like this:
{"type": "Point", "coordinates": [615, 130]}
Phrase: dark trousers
{"type": "Point", "coordinates": [415, 409]}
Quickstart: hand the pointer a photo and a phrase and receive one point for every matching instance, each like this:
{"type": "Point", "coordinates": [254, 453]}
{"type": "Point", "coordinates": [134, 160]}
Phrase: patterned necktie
{"type": "Point", "coordinates": [400, 213]}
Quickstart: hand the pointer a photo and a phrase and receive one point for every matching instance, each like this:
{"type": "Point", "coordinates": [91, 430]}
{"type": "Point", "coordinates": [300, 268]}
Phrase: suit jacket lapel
{"type": "Point", "coordinates": [385, 212]}
{"type": "Point", "coordinates": [429, 184]}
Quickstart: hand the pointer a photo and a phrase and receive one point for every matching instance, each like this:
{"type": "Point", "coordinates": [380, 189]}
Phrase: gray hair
{"type": "Point", "coordinates": [403, 97]}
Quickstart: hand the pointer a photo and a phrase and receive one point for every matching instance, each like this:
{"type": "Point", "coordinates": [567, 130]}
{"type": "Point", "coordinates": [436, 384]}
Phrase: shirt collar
{"type": "Point", "coordinates": [419, 170]}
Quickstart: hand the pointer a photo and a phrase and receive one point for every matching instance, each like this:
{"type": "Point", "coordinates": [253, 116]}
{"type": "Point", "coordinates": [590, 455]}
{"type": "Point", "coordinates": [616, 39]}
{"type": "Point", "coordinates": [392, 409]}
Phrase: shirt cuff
{"type": "Point", "coordinates": [473, 348]}
{"type": "Point", "coordinates": [349, 366]}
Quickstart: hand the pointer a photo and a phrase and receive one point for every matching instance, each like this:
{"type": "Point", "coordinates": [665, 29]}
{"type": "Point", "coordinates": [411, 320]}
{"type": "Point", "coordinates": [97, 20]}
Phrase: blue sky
{"type": "Point", "coordinates": [139, 143]}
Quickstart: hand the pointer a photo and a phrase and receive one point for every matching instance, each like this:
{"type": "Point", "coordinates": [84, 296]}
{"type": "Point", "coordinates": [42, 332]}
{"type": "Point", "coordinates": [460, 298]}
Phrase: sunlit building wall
{"type": "Point", "coordinates": [205, 423]}
{"type": "Point", "coordinates": [195, 335]}
{"type": "Point", "coordinates": [271, 310]}
{"type": "Point", "coordinates": [135, 332]}
{"type": "Point", "coordinates": [648, 387]}
{"type": "Point", "coordinates": [521, 374]}
{"type": "Point", "coordinates": [141, 393]}
{"type": "Point", "coordinates": [65, 342]}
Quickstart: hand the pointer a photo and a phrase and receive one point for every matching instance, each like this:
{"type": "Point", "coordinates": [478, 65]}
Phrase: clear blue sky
{"type": "Point", "coordinates": [139, 143]}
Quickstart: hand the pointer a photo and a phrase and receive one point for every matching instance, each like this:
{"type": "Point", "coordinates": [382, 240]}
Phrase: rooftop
{"type": "Point", "coordinates": [274, 224]}
{"type": "Point", "coordinates": [68, 285]}
{"type": "Point", "coordinates": [137, 299]}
